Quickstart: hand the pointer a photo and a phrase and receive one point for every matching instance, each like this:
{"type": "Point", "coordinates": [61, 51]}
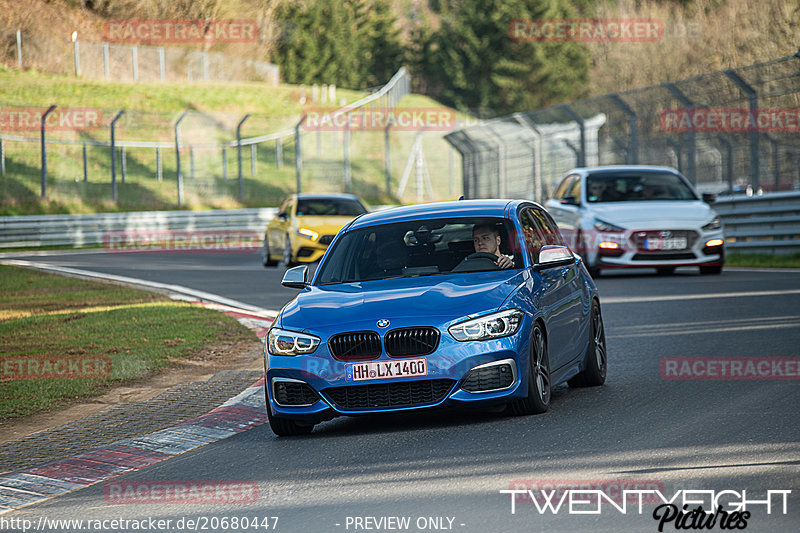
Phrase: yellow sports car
{"type": "Point", "coordinates": [305, 225]}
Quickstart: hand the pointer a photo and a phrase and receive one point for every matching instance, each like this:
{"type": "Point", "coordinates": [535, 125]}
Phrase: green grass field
{"type": "Point", "coordinates": [209, 182]}
{"type": "Point", "coordinates": [44, 317]}
{"type": "Point", "coordinates": [763, 260]}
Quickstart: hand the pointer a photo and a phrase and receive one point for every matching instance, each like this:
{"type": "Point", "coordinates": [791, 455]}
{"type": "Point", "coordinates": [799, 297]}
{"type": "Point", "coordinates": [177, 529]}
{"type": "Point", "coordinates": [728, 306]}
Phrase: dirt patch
{"type": "Point", "coordinates": [241, 355]}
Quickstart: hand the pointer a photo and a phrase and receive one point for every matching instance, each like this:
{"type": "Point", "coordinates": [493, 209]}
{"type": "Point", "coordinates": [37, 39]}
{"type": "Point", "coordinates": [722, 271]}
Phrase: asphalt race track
{"type": "Point", "coordinates": [445, 469]}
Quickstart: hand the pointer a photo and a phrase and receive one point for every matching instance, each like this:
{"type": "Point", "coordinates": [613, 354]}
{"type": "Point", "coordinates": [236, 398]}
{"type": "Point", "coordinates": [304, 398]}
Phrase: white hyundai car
{"type": "Point", "coordinates": [638, 216]}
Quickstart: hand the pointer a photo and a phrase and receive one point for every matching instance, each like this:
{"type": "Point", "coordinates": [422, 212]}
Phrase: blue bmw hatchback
{"type": "Point", "coordinates": [476, 302]}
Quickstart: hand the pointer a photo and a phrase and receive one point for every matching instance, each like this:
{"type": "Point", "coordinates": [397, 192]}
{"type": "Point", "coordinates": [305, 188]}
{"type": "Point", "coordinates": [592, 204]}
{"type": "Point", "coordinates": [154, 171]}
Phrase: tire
{"type": "Point", "coordinates": [285, 427]}
{"type": "Point", "coordinates": [665, 271]}
{"type": "Point", "coordinates": [287, 253]}
{"type": "Point", "coordinates": [538, 400]}
{"type": "Point", "coordinates": [596, 356]}
{"type": "Point", "coordinates": [716, 269]}
{"type": "Point", "coordinates": [265, 257]}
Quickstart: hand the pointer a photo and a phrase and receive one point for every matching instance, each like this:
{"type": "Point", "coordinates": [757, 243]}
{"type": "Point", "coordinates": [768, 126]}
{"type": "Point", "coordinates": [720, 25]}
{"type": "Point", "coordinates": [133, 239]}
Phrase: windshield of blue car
{"type": "Point", "coordinates": [329, 207]}
{"type": "Point", "coordinates": [412, 249]}
{"type": "Point", "coordinates": [640, 187]}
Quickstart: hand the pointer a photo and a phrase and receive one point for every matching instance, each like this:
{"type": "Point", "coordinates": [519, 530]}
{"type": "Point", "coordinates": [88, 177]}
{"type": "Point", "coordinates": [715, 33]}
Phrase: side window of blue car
{"type": "Point", "coordinates": [533, 235]}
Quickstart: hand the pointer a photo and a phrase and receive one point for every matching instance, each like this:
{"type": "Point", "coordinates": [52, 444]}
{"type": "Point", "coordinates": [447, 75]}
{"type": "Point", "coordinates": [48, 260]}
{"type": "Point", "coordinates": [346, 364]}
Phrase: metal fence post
{"type": "Point", "coordinates": [278, 153]}
{"type": "Point", "coordinates": [159, 168]}
{"type": "Point", "coordinates": [347, 169]}
{"type": "Point", "coordinates": [19, 49]}
{"type": "Point", "coordinates": [752, 97]}
{"type": "Point", "coordinates": [224, 163]}
{"type": "Point", "coordinates": [124, 160]}
{"type": "Point", "coordinates": [678, 152]}
{"type": "Point", "coordinates": [502, 176]}
{"type": "Point", "coordinates": [298, 155]}
{"type": "Point", "coordinates": [114, 155]}
{"type": "Point", "coordinates": [161, 64]}
{"type": "Point", "coordinates": [387, 151]}
{"type": "Point", "coordinates": [44, 151]}
{"type": "Point", "coordinates": [2, 159]}
{"type": "Point", "coordinates": [135, 61]}
{"type": "Point", "coordinates": [691, 169]}
{"type": "Point", "coordinates": [178, 157]}
{"type": "Point", "coordinates": [77, 57]}
{"type": "Point", "coordinates": [191, 162]}
{"type": "Point", "coordinates": [85, 170]}
{"type": "Point", "coordinates": [451, 171]}
{"type": "Point", "coordinates": [527, 122]}
{"type": "Point", "coordinates": [729, 153]}
{"type": "Point", "coordinates": [578, 120]}
{"type": "Point", "coordinates": [633, 142]}
{"type": "Point", "coordinates": [106, 66]}
{"type": "Point", "coordinates": [239, 154]}
{"type": "Point", "coordinates": [776, 161]}
{"type": "Point", "coordinates": [204, 57]}
{"type": "Point", "coordinates": [252, 160]}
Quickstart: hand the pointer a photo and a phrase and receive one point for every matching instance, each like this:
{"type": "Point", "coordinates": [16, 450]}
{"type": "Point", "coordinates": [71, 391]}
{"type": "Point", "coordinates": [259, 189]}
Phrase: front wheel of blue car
{"type": "Point", "coordinates": [538, 399]}
{"type": "Point", "coordinates": [596, 357]}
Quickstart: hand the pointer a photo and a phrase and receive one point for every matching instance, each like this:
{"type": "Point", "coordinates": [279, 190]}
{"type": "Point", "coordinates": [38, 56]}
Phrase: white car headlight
{"type": "Point", "coordinates": [283, 342]}
{"type": "Point", "coordinates": [714, 224]}
{"type": "Point", "coordinates": [601, 225]}
{"type": "Point", "coordinates": [494, 326]}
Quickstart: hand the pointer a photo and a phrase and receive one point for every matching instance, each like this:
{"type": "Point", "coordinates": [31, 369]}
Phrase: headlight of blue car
{"type": "Point", "coordinates": [283, 342]}
{"type": "Point", "coordinates": [494, 326]}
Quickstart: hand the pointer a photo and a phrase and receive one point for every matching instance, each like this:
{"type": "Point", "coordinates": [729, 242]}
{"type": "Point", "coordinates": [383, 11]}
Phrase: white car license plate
{"type": "Point", "coordinates": [385, 369]}
{"type": "Point", "coordinates": [676, 243]}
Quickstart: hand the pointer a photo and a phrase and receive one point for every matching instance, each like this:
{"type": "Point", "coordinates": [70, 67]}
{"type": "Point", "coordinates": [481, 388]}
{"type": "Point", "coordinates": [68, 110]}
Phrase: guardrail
{"type": "Point", "coordinates": [761, 224]}
{"type": "Point", "coordinates": [90, 230]}
{"type": "Point", "coordinates": [753, 224]}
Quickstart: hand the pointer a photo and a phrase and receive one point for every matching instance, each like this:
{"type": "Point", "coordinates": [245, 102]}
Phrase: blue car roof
{"type": "Point", "coordinates": [460, 208]}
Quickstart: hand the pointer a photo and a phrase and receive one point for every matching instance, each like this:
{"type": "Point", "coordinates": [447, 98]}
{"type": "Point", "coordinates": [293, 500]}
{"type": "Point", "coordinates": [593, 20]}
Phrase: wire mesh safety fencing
{"type": "Point", "coordinates": [152, 160]}
{"type": "Point", "coordinates": [731, 130]}
{"type": "Point", "coordinates": [136, 62]}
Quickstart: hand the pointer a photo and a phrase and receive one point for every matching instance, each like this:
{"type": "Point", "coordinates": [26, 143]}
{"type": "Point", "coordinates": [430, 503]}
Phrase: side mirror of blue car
{"type": "Point", "coordinates": [296, 278]}
{"type": "Point", "coordinates": [551, 256]}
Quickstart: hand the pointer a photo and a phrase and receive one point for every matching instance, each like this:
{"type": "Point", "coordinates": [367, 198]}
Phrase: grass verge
{"type": "Point", "coordinates": [763, 260]}
{"type": "Point", "coordinates": [46, 318]}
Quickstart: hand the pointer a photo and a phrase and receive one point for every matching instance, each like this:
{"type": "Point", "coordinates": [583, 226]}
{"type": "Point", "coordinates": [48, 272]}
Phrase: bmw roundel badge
{"type": "Point", "coordinates": [382, 323]}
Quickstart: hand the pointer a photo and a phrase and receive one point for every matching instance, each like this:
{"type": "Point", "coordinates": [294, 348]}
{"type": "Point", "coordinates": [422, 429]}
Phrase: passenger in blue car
{"type": "Point", "coordinates": [486, 239]}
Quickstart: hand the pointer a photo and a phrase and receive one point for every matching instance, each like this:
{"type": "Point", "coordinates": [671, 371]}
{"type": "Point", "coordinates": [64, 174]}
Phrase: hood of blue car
{"type": "Point", "coordinates": [441, 297]}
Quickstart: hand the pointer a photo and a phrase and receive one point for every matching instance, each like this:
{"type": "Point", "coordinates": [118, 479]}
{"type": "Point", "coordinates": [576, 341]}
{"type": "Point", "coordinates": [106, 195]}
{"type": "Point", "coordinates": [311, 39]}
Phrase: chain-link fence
{"type": "Point", "coordinates": [129, 62]}
{"type": "Point", "coordinates": [127, 159]}
{"type": "Point", "coordinates": [150, 63]}
{"type": "Point", "coordinates": [726, 130]}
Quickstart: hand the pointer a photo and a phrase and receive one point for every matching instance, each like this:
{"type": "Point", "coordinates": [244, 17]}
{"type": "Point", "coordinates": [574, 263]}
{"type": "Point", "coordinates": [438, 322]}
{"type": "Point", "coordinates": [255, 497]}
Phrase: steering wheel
{"type": "Point", "coordinates": [481, 255]}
